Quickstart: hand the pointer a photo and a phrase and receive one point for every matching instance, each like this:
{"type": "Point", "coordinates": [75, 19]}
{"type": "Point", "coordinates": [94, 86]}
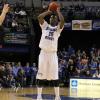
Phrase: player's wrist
{"type": "Point", "coordinates": [49, 11]}
{"type": "Point", "coordinates": [4, 12]}
{"type": "Point", "coordinates": [58, 10]}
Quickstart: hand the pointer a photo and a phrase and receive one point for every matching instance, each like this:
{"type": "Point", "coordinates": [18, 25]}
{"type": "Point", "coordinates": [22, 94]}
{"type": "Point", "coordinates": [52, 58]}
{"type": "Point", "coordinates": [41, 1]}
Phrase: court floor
{"type": "Point", "coordinates": [30, 94]}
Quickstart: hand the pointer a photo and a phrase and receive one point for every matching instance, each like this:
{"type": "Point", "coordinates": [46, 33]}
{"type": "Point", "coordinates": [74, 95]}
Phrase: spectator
{"type": "Point", "coordinates": [22, 12]}
{"type": "Point", "coordinates": [62, 71]}
{"type": "Point", "coordinates": [3, 78]}
{"type": "Point", "coordinates": [71, 68]}
{"type": "Point", "coordinates": [70, 50]}
{"type": "Point", "coordinates": [33, 72]}
{"type": "Point", "coordinates": [27, 74]}
{"type": "Point", "coordinates": [21, 78]}
{"type": "Point", "coordinates": [93, 66]}
{"type": "Point", "coordinates": [88, 74]}
{"type": "Point", "coordinates": [14, 25]}
{"type": "Point", "coordinates": [16, 68]}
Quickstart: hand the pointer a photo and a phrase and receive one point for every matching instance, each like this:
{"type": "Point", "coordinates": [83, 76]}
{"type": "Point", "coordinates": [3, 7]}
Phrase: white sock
{"type": "Point", "coordinates": [56, 91]}
{"type": "Point", "coordinates": [39, 91]}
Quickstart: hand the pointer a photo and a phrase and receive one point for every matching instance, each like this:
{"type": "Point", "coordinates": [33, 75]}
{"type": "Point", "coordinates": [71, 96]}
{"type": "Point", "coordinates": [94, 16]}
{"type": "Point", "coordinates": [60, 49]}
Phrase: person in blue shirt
{"type": "Point", "coordinates": [27, 74]}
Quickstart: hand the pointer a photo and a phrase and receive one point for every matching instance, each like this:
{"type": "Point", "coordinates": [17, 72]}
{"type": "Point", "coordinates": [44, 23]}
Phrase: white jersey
{"type": "Point", "coordinates": [49, 38]}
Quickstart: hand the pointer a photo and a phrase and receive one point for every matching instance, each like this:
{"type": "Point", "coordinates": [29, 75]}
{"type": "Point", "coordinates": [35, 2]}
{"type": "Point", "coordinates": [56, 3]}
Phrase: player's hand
{"type": "Point", "coordinates": [58, 9]}
{"type": "Point", "coordinates": [6, 8]}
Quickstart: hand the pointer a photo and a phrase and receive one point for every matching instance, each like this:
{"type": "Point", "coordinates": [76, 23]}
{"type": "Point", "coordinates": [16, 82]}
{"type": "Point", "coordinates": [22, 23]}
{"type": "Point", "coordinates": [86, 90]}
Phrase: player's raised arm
{"type": "Point", "coordinates": [61, 18]}
{"type": "Point", "coordinates": [4, 12]}
{"type": "Point", "coordinates": [42, 15]}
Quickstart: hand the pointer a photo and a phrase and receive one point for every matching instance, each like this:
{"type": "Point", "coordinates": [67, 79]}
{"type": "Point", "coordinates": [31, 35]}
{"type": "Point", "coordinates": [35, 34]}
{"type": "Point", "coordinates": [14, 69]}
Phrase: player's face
{"type": "Point", "coordinates": [53, 20]}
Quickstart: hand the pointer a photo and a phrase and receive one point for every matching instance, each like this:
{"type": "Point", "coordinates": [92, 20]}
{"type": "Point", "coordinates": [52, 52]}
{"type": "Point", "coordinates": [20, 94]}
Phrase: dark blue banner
{"type": "Point", "coordinates": [15, 50]}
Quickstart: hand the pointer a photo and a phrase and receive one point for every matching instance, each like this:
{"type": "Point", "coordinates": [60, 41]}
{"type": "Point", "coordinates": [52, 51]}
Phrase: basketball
{"type": "Point", "coordinates": [53, 6]}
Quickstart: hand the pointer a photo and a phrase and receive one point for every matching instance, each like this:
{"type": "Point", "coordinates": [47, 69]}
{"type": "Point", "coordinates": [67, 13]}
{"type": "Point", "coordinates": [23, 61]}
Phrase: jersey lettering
{"type": "Point", "coordinates": [51, 33]}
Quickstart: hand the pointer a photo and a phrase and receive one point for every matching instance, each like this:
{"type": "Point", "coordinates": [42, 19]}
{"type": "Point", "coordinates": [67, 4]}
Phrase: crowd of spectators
{"type": "Point", "coordinates": [80, 11]}
{"type": "Point", "coordinates": [16, 19]}
{"type": "Point", "coordinates": [72, 63]}
{"type": "Point", "coordinates": [79, 63]}
{"type": "Point", "coordinates": [15, 75]}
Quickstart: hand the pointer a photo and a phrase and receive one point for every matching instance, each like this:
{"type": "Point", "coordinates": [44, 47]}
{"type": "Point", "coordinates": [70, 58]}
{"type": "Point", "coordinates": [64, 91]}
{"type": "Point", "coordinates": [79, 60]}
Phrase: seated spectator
{"type": "Point", "coordinates": [70, 50]}
{"type": "Point", "coordinates": [3, 77]}
{"type": "Point", "coordinates": [44, 5]}
{"type": "Point", "coordinates": [82, 68]}
{"type": "Point", "coordinates": [20, 28]}
{"type": "Point", "coordinates": [17, 11]}
{"type": "Point", "coordinates": [33, 72]}
{"type": "Point", "coordinates": [93, 66]}
{"type": "Point", "coordinates": [88, 74]}
{"type": "Point", "coordinates": [15, 69]}
{"type": "Point", "coordinates": [22, 12]}
{"type": "Point", "coordinates": [21, 78]}
{"type": "Point", "coordinates": [26, 28]}
{"type": "Point", "coordinates": [71, 68]}
{"type": "Point", "coordinates": [14, 25]}
{"type": "Point", "coordinates": [97, 73]}
{"type": "Point", "coordinates": [27, 74]}
{"type": "Point", "coordinates": [8, 69]}
{"type": "Point", "coordinates": [11, 81]}
{"type": "Point", "coordinates": [62, 71]}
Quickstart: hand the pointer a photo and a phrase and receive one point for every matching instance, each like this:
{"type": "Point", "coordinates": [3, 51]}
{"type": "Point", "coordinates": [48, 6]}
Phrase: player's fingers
{"type": "Point", "coordinates": [49, 9]}
{"type": "Point", "coordinates": [6, 5]}
{"type": "Point", "coordinates": [58, 9]}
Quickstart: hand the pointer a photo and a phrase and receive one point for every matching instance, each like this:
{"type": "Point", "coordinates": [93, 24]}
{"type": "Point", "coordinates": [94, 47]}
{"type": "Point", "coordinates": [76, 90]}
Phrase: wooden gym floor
{"type": "Point", "coordinates": [27, 93]}
{"type": "Point", "coordinates": [30, 94]}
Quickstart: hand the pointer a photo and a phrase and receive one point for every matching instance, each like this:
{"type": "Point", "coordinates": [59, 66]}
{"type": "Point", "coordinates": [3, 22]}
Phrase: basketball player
{"type": "Point", "coordinates": [48, 60]}
{"type": "Point", "coordinates": [4, 12]}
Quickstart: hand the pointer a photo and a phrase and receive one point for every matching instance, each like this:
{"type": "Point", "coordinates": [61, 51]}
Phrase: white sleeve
{"type": "Point", "coordinates": [44, 25]}
{"type": "Point", "coordinates": [59, 30]}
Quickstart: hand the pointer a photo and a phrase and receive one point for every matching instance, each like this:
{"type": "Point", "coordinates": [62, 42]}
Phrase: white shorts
{"type": "Point", "coordinates": [48, 66]}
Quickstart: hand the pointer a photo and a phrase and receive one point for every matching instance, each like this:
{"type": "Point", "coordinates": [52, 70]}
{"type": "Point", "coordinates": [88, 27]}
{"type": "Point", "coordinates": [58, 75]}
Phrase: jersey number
{"type": "Point", "coordinates": [50, 36]}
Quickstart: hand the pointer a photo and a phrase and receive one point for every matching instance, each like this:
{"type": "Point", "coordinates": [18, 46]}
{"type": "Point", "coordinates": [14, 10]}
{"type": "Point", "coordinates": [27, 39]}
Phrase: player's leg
{"type": "Point", "coordinates": [54, 74]}
{"type": "Point", "coordinates": [55, 84]}
{"type": "Point", "coordinates": [39, 89]}
{"type": "Point", "coordinates": [41, 75]}
{"type": "Point", "coordinates": [39, 80]}
{"type": "Point", "coordinates": [57, 95]}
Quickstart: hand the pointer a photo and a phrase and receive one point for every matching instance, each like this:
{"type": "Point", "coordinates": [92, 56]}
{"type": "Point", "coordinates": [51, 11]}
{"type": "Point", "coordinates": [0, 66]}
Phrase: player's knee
{"type": "Point", "coordinates": [40, 83]}
{"type": "Point", "coordinates": [55, 83]}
